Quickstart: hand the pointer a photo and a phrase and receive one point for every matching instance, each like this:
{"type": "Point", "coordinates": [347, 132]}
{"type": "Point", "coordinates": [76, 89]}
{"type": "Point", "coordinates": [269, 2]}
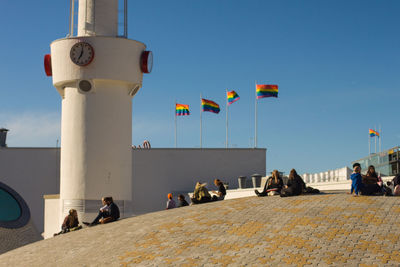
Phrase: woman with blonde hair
{"type": "Point", "coordinates": [200, 194]}
{"type": "Point", "coordinates": [273, 186]}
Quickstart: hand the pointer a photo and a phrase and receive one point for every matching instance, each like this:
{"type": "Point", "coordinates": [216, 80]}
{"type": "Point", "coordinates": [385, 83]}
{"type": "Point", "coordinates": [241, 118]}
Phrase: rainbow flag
{"type": "Point", "coordinates": [232, 97]}
{"type": "Point", "coordinates": [181, 110]}
{"type": "Point", "coordinates": [266, 90]}
{"type": "Point", "coordinates": [210, 106]}
{"type": "Point", "coordinates": [373, 133]}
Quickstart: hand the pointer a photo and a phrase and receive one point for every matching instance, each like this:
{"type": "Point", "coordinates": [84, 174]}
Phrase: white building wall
{"type": "Point", "coordinates": [157, 172]}
{"type": "Point", "coordinates": [32, 173]}
{"type": "Point", "coordinates": [52, 223]}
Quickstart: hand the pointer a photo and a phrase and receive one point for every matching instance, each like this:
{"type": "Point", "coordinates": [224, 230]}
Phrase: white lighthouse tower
{"type": "Point", "coordinates": [97, 73]}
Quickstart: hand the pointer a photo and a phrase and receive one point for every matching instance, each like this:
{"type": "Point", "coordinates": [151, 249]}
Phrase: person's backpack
{"type": "Point", "coordinates": [310, 190]}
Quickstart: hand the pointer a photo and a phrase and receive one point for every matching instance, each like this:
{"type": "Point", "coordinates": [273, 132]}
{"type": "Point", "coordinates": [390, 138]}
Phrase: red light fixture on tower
{"type": "Point", "coordinates": [146, 61]}
{"type": "Point", "coordinates": [47, 65]}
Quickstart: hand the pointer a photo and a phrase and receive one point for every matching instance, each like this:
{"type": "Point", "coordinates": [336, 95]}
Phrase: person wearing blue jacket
{"type": "Point", "coordinates": [356, 179]}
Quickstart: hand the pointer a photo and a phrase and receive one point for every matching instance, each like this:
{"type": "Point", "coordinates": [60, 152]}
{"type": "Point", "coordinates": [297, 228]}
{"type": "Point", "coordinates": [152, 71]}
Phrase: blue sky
{"type": "Point", "coordinates": [336, 63]}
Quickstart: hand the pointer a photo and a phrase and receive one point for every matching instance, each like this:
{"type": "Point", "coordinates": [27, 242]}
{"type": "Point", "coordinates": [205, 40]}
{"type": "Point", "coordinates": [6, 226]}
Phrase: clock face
{"type": "Point", "coordinates": [82, 54]}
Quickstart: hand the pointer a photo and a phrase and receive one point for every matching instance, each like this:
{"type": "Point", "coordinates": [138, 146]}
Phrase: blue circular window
{"type": "Point", "coordinates": [9, 207]}
{"type": "Point", "coordinates": [14, 212]}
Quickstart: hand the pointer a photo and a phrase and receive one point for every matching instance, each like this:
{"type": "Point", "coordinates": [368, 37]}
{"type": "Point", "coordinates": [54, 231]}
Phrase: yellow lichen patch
{"type": "Point", "coordinates": [197, 231]}
{"type": "Point", "coordinates": [389, 256]}
{"type": "Point", "coordinates": [372, 247]}
{"type": "Point", "coordinates": [149, 240]}
{"type": "Point", "coordinates": [294, 210]}
{"type": "Point", "coordinates": [201, 241]}
{"type": "Point", "coordinates": [135, 257]}
{"type": "Point", "coordinates": [333, 257]}
{"type": "Point", "coordinates": [395, 209]}
{"type": "Point", "coordinates": [298, 221]}
{"type": "Point", "coordinates": [264, 261]}
{"type": "Point", "coordinates": [224, 260]}
{"type": "Point", "coordinates": [395, 256]}
{"type": "Point", "coordinates": [297, 259]}
{"type": "Point", "coordinates": [330, 210]}
{"type": "Point", "coordinates": [224, 248]}
{"type": "Point", "coordinates": [189, 262]}
{"type": "Point", "coordinates": [394, 238]}
{"type": "Point", "coordinates": [213, 222]}
{"type": "Point", "coordinates": [361, 200]}
{"type": "Point", "coordinates": [248, 229]}
{"type": "Point", "coordinates": [281, 241]}
{"type": "Point", "coordinates": [298, 202]}
{"type": "Point", "coordinates": [331, 221]}
{"type": "Point", "coordinates": [367, 265]}
{"type": "Point", "coordinates": [332, 233]}
{"type": "Point", "coordinates": [240, 204]}
{"type": "Point", "coordinates": [169, 226]}
{"type": "Point", "coordinates": [170, 261]}
{"type": "Point", "coordinates": [367, 217]}
{"type": "Point", "coordinates": [372, 218]}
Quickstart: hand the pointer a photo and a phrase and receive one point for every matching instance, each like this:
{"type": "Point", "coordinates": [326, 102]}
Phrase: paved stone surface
{"type": "Point", "coordinates": [313, 230]}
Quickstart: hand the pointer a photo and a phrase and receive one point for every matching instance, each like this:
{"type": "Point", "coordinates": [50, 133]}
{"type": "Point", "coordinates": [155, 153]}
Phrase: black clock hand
{"type": "Point", "coordinates": [80, 54]}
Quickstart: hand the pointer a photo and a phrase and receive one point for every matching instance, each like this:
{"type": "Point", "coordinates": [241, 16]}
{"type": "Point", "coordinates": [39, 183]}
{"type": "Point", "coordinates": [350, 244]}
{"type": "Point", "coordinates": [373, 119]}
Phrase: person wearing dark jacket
{"type": "Point", "coordinates": [221, 193]}
{"type": "Point", "coordinates": [108, 213]}
{"type": "Point", "coordinates": [295, 185]}
{"type": "Point", "coordinates": [372, 183]}
{"type": "Point", "coordinates": [274, 183]}
{"type": "Point", "coordinates": [182, 201]}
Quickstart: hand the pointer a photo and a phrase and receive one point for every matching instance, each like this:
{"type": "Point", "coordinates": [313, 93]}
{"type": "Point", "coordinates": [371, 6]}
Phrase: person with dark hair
{"type": "Point", "coordinates": [295, 185]}
{"type": "Point", "coordinates": [220, 195]}
{"type": "Point", "coordinates": [71, 223]}
{"type": "Point", "coordinates": [372, 183]}
{"type": "Point", "coordinates": [170, 202]}
{"type": "Point", "coordinates": [393, 187]}
{"type": "Point", "coordinates": [182, 201]}
{"type": "Point", "coordinates": [108, 213]}
{"type": "Point", "coordinates": [356, 180]}
{"type": "Point", "coordinates": [273, 186]}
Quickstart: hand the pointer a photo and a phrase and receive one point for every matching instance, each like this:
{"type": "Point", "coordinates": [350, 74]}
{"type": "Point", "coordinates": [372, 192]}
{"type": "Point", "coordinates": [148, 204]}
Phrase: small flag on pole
{"type": "Point", "coordinates": [373, 133]}
{"type": "Point", "coordinates": [232, 97]}
{"type": "Point", "coordinates": [210, 106]}
{"type": "Point", "coordinates": [266, 90]}
{"type": "Point", "coordinates": [182, 110]}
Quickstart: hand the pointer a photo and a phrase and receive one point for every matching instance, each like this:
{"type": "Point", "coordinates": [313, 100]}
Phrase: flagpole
{"type": "Point", "coordinates": [255, 116]}
{"type": "Point", "coordinates": [380, 138]}
{"type": "Point", "coordinates": [201, 133]}
{"type": "Point", "coordinates": [375, 138]}
{"type": "Point", "coordinates": [226, 140]}
{"type": "Point", "coordinates": [369, 144]}
{"type": "Point", "coordinates": [175, 127]}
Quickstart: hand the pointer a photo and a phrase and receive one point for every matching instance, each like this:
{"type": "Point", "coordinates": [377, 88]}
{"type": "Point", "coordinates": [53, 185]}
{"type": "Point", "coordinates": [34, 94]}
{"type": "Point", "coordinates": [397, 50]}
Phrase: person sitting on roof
{"type": "Point", "coordinates": [108, 213]}
{"type": "Point", "coordinates": [71, 223]}
{"type": "Point", "coordinates": [200, 194]}
{"type": "Point", "coordinates": [170, 202]}
{"type": "Point", "coordinates": [182, 201]}
{"type": "Point", "coordinates": [273, 186]}
{"type": "Point", "coordinates": [221, 193]}
{"type": "Point", "coordinates": [295, 185]}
